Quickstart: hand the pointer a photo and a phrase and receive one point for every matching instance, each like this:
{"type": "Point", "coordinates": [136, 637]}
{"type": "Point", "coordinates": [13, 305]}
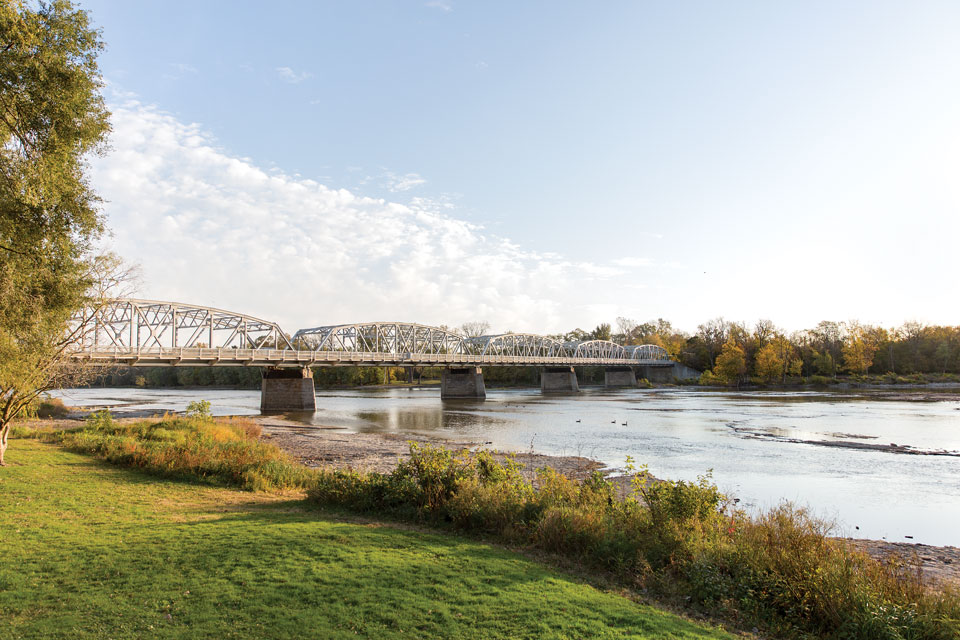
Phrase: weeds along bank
{"type": "Point", "coordinates": [679, 541]}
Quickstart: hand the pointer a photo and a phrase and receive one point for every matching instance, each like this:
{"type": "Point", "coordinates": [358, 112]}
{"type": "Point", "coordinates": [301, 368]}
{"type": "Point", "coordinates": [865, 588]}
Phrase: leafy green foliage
{"type": "Point", "coordinates": [199, 409]}
{"type": "Point", "coordinates": [52, 116]}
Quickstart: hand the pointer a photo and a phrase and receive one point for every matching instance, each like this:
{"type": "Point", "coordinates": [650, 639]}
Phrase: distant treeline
{"type": "Point", "coordinates": [733, 352]}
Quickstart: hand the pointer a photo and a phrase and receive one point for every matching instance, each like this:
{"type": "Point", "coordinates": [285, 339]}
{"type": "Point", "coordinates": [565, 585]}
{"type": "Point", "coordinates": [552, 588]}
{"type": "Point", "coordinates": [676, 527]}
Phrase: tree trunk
{"type": "Point", "coordinates": [3, 443]}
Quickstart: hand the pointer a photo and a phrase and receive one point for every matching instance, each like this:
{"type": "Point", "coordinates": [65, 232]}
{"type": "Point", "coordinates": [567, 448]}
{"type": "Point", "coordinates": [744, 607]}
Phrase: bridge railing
{"type": "Point", "coordinates": [171, 356]}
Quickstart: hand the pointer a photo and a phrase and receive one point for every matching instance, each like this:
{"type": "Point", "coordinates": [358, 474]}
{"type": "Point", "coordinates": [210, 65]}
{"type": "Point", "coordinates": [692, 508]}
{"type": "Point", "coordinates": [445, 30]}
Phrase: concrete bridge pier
{"type": "Point", "coordinates": [287, 390]}
{"type": "Point", "coordinates": [558, 380]}
{"type": "Point", "coordinates": [619, 377]}
{"type": "Point", "coordinates": [462, 382]}
{"type": "Point", "coordinates": [657, 373]}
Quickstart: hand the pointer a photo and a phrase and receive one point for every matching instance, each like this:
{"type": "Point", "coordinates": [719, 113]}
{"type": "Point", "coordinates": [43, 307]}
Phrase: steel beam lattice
{"type": "Point", "coordinates": [381, 337]}
{"type": "Point", "coordinates": [144, 324]}
{"type": "Point", "coordinates": [155, 333]}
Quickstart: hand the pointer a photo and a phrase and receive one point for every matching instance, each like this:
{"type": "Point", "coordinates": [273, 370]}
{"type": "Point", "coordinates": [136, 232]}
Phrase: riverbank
{"type": "Point", "coordinates": [154, 558]}
{"type": "Point", "coordinates": [749, 569]}
{"type": "Point", "coordinates": [317, 446]}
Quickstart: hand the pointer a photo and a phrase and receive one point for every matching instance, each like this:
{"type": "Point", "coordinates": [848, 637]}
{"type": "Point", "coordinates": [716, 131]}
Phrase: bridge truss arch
{"type": "Point", "coordinates": [381, 337]}
{"type": "Point", "coordinates": [596, 349]}
{"type": "Point", "coordinates": [517, 344]}
{"type": "Point", "coordinates": [646, 352]}
{"type": "Point", "coordinates": [133, 324]}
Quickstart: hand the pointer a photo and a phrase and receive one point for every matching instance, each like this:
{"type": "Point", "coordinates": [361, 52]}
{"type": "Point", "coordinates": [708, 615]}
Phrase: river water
{"type": "Point", "coordinates": [748, 439]}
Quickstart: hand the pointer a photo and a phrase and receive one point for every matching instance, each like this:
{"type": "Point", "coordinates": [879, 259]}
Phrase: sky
{"type": "Point", "coordinates": [538, 165]}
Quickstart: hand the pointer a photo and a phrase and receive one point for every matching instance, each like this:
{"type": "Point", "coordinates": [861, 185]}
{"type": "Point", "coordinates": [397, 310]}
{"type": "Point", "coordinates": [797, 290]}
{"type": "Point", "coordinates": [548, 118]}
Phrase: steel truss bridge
{"type": "Point", "coordinates": [155, 333]}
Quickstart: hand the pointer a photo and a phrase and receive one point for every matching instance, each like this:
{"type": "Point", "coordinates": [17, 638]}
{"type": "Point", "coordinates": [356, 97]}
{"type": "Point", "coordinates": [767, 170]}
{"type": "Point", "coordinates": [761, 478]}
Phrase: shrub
{"type": "Point", "coordinates": [226, 451]}
{"type": "Point", "coordinates": [45, 408]}
{"type": "Point", "coordinates": [52, 408]}
{"type": "Point", "coordinates": [199, 409]}
{"type": "Point", "coordinates": [708, 378]}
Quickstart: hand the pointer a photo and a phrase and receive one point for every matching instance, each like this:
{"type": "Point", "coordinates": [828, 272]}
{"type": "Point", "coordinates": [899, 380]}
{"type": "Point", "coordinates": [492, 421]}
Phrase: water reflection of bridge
{"type": "Point", "coordinates": [154, 333]}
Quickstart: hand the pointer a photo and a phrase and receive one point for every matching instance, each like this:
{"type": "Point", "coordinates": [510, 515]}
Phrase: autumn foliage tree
{"type": "Point", "coordinates": [731, 364]}
{"type": "Point", "coordinates": [858, 349]}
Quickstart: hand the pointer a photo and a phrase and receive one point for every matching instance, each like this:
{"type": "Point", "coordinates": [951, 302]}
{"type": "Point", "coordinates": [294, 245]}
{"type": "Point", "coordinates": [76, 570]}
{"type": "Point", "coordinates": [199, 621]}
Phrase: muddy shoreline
{"type": "Point", "coordinates": [317, 446]}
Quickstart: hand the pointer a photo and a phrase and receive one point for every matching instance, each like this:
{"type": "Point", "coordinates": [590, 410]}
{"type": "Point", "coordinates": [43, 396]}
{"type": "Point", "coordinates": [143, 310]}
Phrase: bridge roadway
{"type": "Point", "coordinates": [297, 359]}
{"type": "Point", "coordinates": [143, 333]}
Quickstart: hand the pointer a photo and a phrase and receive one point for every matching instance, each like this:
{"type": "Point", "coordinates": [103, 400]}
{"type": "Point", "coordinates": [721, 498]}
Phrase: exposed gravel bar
{"type": "Point", "coordinates": [317, 446]}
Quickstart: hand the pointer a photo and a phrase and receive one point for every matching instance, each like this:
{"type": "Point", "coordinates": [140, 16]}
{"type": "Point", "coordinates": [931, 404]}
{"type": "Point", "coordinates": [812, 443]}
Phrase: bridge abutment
{"type": "Point", "coordinates": [462, 382]}
{"type": "Point", "coordinates": [287, 390]}
{"type": "Point", "coordinates": [619, 377]}
{"type": "Point", "coordinates": [558, 380]}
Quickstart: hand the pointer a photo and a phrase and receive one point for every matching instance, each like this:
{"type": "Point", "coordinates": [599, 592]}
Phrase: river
{"type": "Point", "coordinates": [762, 447]}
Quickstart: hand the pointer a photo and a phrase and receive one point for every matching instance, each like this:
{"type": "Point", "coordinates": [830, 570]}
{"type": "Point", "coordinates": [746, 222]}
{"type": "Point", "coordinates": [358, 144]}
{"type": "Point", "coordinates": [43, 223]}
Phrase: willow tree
{"type": "Point", "coordinates": [52, 118]}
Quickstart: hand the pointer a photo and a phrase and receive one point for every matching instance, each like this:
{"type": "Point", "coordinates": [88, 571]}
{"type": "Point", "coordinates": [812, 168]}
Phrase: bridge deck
{"type": "Point", "coordinates": [199, 356]}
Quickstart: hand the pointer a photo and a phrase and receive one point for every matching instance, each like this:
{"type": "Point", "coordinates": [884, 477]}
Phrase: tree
{"type": "Point", "coordinates": [602, 332]}
{"type": "Point", "coordinates": [777, 359]}
{"type": "Point", "coordinates": [475, 329]}
{"type": "Point", "coordinates": [52, 117]}
{"type": "Point", "coordinates": [943, 355]}
{"type": "Point", "coordinates": [625, 329]}
{"type": "Point", "coordinates": [823, 364]}
{"type": "Point", "coordinates": [768, 365]}
{"type": "Point", "coordinates": [713, 335]}
{"type": "Point", "coordinates": [859, 348]}
{"type": "Point", "coordinates": [763, 332]}
{"type": "Point", "coordinates": [731, 363]}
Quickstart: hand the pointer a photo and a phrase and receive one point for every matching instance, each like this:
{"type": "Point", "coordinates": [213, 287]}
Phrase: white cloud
{"type": "Point", "coordinates": [441, 5]}
{"type": "Point", "coordinates": [180, 69]}
{"type": "Point", "coordinates": [210, 228]}
{"type": "Point", "coordinates": [293, 77]}
{"type": "Point", "coordinates": [633, 262]}
{"type": "Point", "coordinates": [405, 182]}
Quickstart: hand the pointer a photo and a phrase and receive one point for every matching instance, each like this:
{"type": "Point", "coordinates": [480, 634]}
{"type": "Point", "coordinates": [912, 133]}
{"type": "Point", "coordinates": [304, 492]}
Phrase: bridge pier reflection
{"type": "Point", "coordinates": [462, 382]}
{"type": "Point", "coordinates": [287, 390]}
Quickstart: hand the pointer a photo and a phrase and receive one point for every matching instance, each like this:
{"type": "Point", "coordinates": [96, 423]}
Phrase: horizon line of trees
{"type": "Point", "coordinates": [734, 352]}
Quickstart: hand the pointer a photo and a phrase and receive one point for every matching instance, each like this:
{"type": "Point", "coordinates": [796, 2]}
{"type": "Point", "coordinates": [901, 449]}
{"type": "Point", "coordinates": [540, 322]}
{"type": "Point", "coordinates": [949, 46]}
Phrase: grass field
{"type": "Point", "coordinates": [95, 551]}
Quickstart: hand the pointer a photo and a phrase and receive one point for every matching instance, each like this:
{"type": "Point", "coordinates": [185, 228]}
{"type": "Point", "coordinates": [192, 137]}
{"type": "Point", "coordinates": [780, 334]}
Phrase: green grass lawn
{"type": "Point", "coordinates": [91, 550]}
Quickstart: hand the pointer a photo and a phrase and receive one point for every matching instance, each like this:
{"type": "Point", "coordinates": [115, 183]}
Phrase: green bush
{"type": "Point", "coordinates": [199, 409]}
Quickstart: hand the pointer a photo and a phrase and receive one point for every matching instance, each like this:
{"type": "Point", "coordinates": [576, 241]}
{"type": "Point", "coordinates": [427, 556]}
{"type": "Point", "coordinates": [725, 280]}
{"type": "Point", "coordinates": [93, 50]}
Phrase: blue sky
{"type": "Point", "coordinates": [539, 165]}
